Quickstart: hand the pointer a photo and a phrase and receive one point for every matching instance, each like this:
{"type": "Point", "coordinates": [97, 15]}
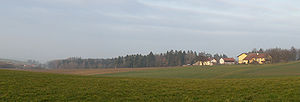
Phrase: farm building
{"type": "Point", "coordinates": [259, 58]}
{"type": "Point", "coordinates": [227, 61]}
{"type": "Point", "coordinates": [214, 61]}
{"type": "Point", "coordinates": [208, 62]}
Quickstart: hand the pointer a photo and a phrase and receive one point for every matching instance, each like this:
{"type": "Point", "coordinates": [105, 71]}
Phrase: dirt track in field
{"type": "Point", "coordinates": [87, 71]}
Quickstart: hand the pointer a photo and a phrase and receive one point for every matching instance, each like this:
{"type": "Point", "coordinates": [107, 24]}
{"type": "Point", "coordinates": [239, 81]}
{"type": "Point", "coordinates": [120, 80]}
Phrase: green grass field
{"type": "Point", "coordinates": [280, 82]}
{"type": "Point", "coordinates": [218, 72]}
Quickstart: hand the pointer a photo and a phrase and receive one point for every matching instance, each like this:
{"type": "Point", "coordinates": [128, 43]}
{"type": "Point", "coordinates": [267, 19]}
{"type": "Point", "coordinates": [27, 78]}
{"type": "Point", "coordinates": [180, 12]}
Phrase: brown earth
{"type": "Point", "coordinates": [86, 71]}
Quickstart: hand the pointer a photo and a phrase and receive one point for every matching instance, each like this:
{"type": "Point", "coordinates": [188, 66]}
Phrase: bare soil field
{"type": "Point", "coordinates": [86, 71]}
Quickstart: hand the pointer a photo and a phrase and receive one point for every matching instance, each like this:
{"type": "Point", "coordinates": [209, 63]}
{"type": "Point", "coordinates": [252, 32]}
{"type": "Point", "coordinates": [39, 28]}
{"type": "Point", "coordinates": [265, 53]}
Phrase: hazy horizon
{"type": "Point", "coordinates": [54, 29]}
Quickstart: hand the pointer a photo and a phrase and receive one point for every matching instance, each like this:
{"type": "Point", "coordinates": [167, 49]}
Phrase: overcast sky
{"type": "Point", "coordinates": [53, 29]}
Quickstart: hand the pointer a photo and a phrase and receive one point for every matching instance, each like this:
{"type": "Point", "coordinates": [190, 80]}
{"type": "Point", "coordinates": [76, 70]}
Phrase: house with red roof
{"type": "Point", "coordinates": [254, 58]}
{"type": "Point", "coordinates": [227, 61]}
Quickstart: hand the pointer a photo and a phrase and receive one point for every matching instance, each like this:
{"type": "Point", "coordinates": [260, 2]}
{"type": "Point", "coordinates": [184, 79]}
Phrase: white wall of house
{"type": "Point", "coordinates": [214, 61]}
{"type": "Point", "coordinates": [222, 61]}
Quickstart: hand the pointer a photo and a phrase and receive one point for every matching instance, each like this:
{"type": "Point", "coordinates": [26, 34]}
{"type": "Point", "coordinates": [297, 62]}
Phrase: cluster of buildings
{"type": "Point", "coordinates": [210, 62]}
{"type": "Point", "coordinates": [244, 58]}
{"type": "Point", "coordinates": [254, 58]}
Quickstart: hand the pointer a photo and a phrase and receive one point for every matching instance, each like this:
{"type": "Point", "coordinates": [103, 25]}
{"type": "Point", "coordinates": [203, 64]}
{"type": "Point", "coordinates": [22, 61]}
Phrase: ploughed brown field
{"type": "Point", "coordinates": [87, 71]}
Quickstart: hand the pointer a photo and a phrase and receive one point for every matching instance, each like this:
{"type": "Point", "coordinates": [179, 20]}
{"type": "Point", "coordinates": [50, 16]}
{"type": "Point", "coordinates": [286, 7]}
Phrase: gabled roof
{"type": "Point", "coordinates": [242, 54]}
{"type": "Point", "coordinates": [256, 55]}
{"type": "Point", "coordinates": [229, 59]}
{"type": "Point", "coordinates": [210, 59]}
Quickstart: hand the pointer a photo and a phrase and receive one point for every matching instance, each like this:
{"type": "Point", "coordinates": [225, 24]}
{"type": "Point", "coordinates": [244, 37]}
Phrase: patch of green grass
{"type": "Point", "coordinates": [217, 72]}
{"type": "Point", "coordinates": [222, 83]}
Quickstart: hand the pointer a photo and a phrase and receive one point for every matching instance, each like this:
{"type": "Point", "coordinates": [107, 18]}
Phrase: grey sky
{"type": "Point", "coordinates": [54, 29]}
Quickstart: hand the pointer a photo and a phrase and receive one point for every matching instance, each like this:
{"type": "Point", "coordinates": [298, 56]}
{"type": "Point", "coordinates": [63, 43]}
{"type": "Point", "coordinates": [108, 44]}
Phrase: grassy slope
{"type": "Point", "coordinates": [25, 86]}
{"type": "Point", "coordinates": [207, 72]}
{"type": "Point", "coordinates": [13, 61]}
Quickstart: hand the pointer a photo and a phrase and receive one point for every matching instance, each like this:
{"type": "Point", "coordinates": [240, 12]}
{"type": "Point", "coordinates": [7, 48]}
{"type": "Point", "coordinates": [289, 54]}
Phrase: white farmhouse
{"type": "Point", "coordinates": [227, 61]}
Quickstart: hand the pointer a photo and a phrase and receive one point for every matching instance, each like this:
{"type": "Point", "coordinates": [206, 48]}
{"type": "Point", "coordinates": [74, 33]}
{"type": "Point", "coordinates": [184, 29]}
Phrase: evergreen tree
{"type": "Point", "coordinates": [151, 60]}
{"type": "Point", "coordinates": [293, 54]}
{"type": "Point", "coordinates": [261, 50]}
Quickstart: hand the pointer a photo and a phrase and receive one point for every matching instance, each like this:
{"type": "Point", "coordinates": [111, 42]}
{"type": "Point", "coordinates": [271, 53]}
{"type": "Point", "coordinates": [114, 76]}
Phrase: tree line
{"type": "Point", "coordinates": [280, 55]}
{"type": "Point", "coordinates": [170, 58]}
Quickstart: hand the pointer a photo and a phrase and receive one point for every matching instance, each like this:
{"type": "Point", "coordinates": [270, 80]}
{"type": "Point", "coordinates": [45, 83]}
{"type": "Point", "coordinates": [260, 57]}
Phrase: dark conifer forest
{"type": "Point", "coordinates": [168, 59]}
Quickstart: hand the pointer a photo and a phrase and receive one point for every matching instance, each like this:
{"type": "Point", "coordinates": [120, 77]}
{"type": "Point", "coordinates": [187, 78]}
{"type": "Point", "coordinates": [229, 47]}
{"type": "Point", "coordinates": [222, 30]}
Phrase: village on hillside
{"type": "Point", "coordinates": [244, 58]}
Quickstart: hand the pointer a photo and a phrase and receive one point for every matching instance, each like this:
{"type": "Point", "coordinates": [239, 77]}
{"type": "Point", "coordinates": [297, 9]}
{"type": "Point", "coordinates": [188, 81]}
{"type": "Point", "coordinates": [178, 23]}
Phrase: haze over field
{"type": "Point", "coordinates": [52, 29]}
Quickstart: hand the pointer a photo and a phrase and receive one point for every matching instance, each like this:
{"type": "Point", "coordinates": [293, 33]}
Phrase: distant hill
{"type": "Point", "coordinates": [9, 63]}
{"type": "Point", "coordinates": [6, 65]}
{"type": "Point", "coordinates": [13, 61]}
